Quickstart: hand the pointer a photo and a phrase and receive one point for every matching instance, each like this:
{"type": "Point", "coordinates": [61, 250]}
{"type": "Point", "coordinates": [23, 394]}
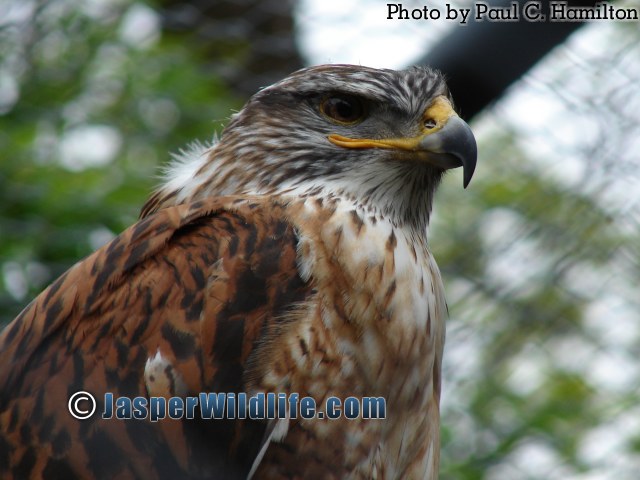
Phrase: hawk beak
{"type": "Point", "coordinates": [446, 140]}
{"type": "Point", "coordinates": [453, 146]}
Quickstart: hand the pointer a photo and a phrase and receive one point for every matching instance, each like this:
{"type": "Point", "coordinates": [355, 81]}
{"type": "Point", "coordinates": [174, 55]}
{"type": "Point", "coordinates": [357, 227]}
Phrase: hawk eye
{"type": "Point", "coordinates": [345, 109]}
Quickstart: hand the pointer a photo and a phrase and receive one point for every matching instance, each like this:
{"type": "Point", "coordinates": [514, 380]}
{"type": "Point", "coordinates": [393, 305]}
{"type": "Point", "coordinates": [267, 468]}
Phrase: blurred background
{"type": "Point", "coordinates": [540, 255]}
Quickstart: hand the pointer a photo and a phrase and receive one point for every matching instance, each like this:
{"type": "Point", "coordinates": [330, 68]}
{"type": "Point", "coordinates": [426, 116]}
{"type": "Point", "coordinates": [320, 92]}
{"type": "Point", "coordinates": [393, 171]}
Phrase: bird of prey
{"type": "Point", "coordinates": [289, 257]}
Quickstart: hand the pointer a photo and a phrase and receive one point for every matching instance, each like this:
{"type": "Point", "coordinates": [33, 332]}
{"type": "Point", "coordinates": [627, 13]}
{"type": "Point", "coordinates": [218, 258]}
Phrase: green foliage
{"type": "Point", "coordinates": [81, 69]}
{"type": "Point", "coordinates": [532, 377]}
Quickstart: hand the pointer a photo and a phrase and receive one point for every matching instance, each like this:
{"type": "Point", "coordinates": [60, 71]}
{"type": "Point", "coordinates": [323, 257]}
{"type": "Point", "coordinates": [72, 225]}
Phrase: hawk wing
{"type": "Point", "coordinates": [175, 305]}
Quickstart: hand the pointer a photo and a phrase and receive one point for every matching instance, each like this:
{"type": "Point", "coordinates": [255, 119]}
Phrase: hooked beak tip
{"type": "Point", "coordinates": [455, 139]}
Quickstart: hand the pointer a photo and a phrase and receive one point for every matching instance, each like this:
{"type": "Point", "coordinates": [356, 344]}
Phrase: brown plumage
{"type": "Point", "coordinates": [289, 257]}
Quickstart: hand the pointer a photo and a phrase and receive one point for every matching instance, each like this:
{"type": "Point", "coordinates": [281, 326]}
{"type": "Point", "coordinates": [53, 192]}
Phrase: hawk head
{"type": "Point", "coordinates": [382, 138]}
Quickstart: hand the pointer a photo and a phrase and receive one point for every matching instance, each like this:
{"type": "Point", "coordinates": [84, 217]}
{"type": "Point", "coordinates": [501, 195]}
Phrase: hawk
{"type": "Point", "coordinates": [288, 257]}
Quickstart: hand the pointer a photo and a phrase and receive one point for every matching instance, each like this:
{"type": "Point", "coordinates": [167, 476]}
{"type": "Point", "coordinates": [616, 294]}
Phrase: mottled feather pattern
{"type": "Point", "coordinates": [153, 290]}
{"type": "Point", "coordinates": [357, 326]}
{"type": "Point", "coordinates": [263, 335]}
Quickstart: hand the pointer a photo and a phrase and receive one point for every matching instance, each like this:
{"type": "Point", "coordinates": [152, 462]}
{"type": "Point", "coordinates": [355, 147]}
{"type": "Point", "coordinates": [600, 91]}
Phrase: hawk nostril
{"type": "Point", "coordinates": [430, 123]}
